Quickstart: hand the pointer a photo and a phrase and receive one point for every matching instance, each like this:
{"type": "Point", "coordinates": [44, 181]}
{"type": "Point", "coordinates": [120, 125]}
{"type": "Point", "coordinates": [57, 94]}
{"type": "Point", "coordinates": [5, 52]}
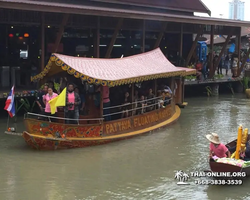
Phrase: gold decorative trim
{"type": "Point", "coordinates": [91, 80]}
{"type": "Point", "coordinates": [193, 72]}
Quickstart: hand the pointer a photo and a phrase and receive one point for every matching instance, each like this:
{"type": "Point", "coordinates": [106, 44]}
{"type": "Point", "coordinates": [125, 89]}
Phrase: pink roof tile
{"type": "Point", "coordinates": [145, 64]}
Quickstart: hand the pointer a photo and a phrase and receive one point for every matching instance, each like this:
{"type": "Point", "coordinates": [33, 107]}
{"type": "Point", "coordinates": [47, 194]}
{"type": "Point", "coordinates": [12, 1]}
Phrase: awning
{"type": "Point", "coordinates": [41, 6]}
{"type": "Point", "coordinates": [116, 71]}
{"type": "Point", "coordinates": [189, 71]}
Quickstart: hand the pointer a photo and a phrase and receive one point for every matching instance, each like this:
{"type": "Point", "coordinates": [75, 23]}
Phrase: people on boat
{"type": "Point", "coordinates": [141, 106]}
{"type": "Point", "coordinates": [46, 98]}
{"type": "Point", "coordinates": [106, 103]}
{"type": "Point", "coordinates": [159, 99]}
{"type": "Point", "coordinates": [125, 106]}
{"type": "Point", "coordinates": [247, 152]}
{"type": "Point", "coordinates": [216, 147]}
{"type": "Point", "coordinates": [167, 97]}
{"type": "Point", "coordinates": [82, 104]}
{"type": "Point", "coordinates": [136, 95]}
{"type": "Point", "coordinates": [39, 99]}
{"type": "Point", "coordinates": [63, 83]}
{"type": "Point", "coordinates": [150, 100]}
{"type": "Point", "coordinates": [52, 85]}
{"type": "Point", "coordinates": [71, 110]}
{"type": "Point", "coordinates": [243, 155]}
{"type": "Point", "coordinates": [161, 104]}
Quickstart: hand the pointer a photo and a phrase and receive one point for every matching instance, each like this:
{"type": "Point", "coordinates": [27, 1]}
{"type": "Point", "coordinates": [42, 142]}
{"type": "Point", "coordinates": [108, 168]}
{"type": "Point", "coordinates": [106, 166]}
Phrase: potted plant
{"type": "Point", "coordinates": [220, 76]}
{"type": "Point", "coordinates": [193, 78]}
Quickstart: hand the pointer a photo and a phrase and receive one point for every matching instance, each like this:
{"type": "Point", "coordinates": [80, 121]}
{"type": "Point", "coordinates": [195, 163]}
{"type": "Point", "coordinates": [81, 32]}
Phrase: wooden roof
{"type": "Point", "coordinates": [115, 71]}
{"type": "Point", "coordinates": [180, 5]}
{"type": "Point", "coordinates": [41, 6]}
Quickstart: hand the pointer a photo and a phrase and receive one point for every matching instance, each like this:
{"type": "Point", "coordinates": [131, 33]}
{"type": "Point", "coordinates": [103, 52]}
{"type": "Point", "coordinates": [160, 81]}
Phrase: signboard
{"type": "Point", "coordinates": [138, 122]}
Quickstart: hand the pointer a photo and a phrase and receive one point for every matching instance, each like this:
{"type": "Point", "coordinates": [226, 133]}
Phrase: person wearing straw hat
{"type": "Point", "coordinates": [216, 147]}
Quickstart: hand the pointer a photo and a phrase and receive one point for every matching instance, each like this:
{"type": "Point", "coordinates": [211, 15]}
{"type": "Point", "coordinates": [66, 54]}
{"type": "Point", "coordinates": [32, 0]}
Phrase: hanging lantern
{"type": "Point", "coordinates": [26, 35]}
{"type": "Point", "coordinates": [11, 35]}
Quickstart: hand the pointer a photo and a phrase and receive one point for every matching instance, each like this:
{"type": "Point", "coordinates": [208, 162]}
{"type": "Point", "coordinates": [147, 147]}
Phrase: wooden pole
{"type": "Point", "coordinates": [155, 89]}
{"type": "Point", "coordinates": [60, 33]}
{"type": "Point", "coordinates": [161, 34]}
{"type": "Point", "coordinates": [221, 53]}
{"type": "Point", "coordinates": [101, 101]}
{"type": "Point", "coordinates": [97, 40]}
{"type": "Point", "coordinates": [181, 41]}
{"type": "Point", "coordinates": [194, 45]}
{"type": "Point", "coordinates": [42, 42]}
{"type": "Point", "coordinates": [211, 68]}
{"type": "Point", "coordinates": [156, 93]}
{"type": "Point", "coordinates": [238, 50]}
{"type": "Point", "coordinates": [182, 85]}
{"type": "Point", "coordinates": [112, 42]}
{"type": "Point", "coordinates": [133, 97]}
{"type": "Point", "coordinates": [143, 37]}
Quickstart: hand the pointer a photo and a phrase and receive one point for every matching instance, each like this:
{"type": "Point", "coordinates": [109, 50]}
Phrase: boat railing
{"type": "Point", "coordinates": [100, 120]}
{"type": "Point", "coordinates": [135, 109]}
{"type": "Point", "coordinates": [136, 102]}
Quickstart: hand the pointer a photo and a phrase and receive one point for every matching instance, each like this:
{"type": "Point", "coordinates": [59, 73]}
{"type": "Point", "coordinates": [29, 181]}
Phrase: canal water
{"type": "Point", "coordinates": [139, 168]}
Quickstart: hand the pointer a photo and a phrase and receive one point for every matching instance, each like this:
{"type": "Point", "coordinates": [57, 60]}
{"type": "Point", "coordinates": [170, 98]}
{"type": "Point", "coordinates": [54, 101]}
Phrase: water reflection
{"type": "Point", "coordinates": [139, 168]}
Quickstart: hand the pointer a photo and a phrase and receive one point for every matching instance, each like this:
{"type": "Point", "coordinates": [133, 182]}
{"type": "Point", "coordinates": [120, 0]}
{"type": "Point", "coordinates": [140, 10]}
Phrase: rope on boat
{"type": "Point", "coordinates": [13, 133]}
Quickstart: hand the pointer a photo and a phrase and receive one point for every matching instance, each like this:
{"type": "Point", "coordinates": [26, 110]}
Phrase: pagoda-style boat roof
{"type": "Point", "coordinates": [115, 71]}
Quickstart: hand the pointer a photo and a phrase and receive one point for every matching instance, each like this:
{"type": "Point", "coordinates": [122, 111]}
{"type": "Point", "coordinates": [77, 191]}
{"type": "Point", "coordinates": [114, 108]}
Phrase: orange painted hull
{"type": "Point", "coordinates": [52, 144]}
{"type": "Point", "coordinates": [42, 135]}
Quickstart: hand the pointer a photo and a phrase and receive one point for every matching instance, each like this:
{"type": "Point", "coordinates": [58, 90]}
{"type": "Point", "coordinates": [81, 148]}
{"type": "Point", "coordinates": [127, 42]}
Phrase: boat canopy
{"type": "Point", "coordinates": [115, 71]}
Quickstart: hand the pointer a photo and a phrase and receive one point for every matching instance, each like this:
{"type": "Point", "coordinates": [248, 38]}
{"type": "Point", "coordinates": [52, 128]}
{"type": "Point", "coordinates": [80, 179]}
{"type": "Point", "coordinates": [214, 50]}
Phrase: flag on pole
{"type": "Point", "coordinates": [9, 104]}
{"type": "Point", "coordinates": [60, 100]}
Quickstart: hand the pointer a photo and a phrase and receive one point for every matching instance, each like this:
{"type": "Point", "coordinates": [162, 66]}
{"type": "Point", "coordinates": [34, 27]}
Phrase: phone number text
{"type": "Point", "coordinates": [218, 182]}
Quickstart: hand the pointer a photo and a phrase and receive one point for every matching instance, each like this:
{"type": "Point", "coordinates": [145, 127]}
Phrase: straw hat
{"type": "Point", "coordinates": [214, 138]}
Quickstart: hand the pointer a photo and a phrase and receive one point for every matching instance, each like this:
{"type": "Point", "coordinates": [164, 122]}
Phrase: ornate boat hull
{"type": "Point", "coordinates": [42, 135]}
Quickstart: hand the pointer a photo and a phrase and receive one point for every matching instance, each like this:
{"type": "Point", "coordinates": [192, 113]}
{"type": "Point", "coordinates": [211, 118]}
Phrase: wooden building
{"type": "Point", "coordinates": [101, 28]}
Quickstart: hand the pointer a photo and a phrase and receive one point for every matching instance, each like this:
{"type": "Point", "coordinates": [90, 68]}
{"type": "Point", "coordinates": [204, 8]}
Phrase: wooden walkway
{"type": "Point", "coordinates": [225, 79]}
{"type": "Point", "coordinates": [18, 93]}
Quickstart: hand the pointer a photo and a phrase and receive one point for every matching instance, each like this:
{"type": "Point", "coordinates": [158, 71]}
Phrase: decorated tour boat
{"type": "Point", "coordinates": [138, 72]}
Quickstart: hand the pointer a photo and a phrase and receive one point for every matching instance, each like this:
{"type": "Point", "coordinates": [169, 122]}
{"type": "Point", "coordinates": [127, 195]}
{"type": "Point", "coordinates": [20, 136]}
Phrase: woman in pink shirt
{"type": "Point", "coordinates": [216, 147]}
{"type": "Point", "coordinates": [106, 101]}
{"type": "Point", "coordinates": [46, 98]}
